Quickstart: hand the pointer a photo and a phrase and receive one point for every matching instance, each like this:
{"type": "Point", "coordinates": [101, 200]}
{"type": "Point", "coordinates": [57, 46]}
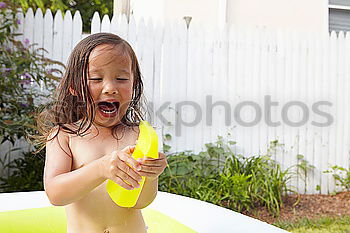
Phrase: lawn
{"type": "Point", "coordinates": [321, 225]}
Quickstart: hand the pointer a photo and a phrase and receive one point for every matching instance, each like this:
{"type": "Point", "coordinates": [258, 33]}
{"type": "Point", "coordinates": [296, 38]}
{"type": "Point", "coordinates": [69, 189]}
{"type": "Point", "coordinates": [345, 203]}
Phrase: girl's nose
{"type": "Point", "coordinates": [110, 89]}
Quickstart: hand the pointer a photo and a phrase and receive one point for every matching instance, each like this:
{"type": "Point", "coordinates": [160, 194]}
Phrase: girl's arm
{"type": "Point", "coordinates": [148, 193]}
{"type": "Point", "coordinates": [150, 168]}
{"type": "Point", "coordinates": [62, 185]}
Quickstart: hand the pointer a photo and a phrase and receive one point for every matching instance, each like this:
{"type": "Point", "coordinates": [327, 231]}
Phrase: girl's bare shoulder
{"type": "Point", "coordinates": [63, 131]}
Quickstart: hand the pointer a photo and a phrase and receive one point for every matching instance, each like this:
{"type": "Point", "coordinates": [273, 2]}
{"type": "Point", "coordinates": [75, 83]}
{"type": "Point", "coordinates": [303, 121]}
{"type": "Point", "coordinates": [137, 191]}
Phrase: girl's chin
{"type": "Point", "coordinates": [107, 122]}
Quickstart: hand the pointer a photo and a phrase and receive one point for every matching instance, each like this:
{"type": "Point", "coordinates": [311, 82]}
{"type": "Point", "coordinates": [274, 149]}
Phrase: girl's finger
{"type": "Point", "coordinates": [127, 177]}
{"type": "Point", "coordinates": [128, 159]}
{"type": "Point", "coordinates": [153, 163]}
{"type": "Point", "coordinates": [121, 182]}
{"type": "Point", "coordinates": [151, 169]}
{"type": "Point", "coordinates": [147, 174]}
{"type": "Point", "coordinates": [160, 157]}
{"type": "Point", "coordinates": [129, 171]}
{"type": "Point", "coordinates": [129, 149]}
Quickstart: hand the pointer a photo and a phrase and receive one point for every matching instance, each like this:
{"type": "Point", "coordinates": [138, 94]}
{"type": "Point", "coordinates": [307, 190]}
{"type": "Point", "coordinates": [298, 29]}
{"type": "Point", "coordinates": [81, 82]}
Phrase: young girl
{"type": "Point", "coordinates": [90, 132]}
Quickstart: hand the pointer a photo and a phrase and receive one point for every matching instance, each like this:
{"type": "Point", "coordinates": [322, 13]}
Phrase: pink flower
{"type": "Point", "coordinates": [2, 5]}
{"type": "Point", "coordinates": [26, 79]}
{"type": "Point", "coordinates": [26, 42]}
{"type": "Point", "coordinates": [50, 71]}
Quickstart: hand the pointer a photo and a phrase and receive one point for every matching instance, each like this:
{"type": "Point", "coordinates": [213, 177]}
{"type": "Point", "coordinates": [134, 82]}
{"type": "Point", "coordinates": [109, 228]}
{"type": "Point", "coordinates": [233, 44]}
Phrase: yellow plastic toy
{"type": "Point", "coordinates": [147, 145]}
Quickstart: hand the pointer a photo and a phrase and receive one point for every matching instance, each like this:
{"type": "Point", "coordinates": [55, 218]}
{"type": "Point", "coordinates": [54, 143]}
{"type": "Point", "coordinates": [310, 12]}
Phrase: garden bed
{"type": "Point", "coordinates": [311, 206]}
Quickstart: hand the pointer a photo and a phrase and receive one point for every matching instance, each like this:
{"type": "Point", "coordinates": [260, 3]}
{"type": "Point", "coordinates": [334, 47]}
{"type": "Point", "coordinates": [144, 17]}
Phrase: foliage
{"type": "Point", "coordinates": [221, 177]}
{"type": "Point", "coordinates": [27, 174]}
{"type": "Point", "coordinates": [23, 69]}
{"type": "Point", "coordinates": [86, 8]}
{"type": "Point", "coordinates": [341, 176]}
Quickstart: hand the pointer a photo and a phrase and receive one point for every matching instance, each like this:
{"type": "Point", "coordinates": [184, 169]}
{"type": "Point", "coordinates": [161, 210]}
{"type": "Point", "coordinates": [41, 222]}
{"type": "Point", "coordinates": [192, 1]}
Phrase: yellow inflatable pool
{"type": "Point", "coordinates": [32, 212]}
{"type": "Point", "coordinates": [53, 220]}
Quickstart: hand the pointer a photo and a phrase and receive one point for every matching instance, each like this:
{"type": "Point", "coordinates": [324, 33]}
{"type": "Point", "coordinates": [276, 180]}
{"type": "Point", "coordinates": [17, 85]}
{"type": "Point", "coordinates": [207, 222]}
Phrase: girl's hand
{"type": "Point", "coordinates": [152, 168]}
{"type": "Point", "coordinates": [114, 167]}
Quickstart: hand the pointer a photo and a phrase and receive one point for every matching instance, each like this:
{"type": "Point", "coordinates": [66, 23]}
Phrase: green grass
{"type": "Point", "coordinates": [321, 225]}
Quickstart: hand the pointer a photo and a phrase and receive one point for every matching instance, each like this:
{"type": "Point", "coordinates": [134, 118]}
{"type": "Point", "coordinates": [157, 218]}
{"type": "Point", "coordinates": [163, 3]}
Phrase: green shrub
{"type": "Point", "coordinates": [221, 177]}
{"type": "Point", "coordinates": [341, 176]}
{"type": "Point", "coordinates": [27, 173]}
{"type": "Point", "coordinates": [23, 70]}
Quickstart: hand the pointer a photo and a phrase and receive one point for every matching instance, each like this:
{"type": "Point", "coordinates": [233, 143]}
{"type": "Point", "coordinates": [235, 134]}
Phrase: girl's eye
{"type": "Point", "coordinates": [95, 79]}
{"type": "Point", "coordinates": [122, 79]}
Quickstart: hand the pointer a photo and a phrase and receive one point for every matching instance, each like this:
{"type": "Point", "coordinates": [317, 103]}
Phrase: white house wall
{"type": "Point", "coordinates": [205, 11]}
{"type": "Point", "coordinates": [304, 15]}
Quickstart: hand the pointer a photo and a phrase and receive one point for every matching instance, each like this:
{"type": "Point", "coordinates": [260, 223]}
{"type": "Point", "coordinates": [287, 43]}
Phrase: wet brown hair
{"type": "Point", "coordinates": [68, 108]}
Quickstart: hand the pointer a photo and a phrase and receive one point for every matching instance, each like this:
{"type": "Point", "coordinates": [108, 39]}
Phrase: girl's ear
{"type": "Point", "coordinates": [72, 91]}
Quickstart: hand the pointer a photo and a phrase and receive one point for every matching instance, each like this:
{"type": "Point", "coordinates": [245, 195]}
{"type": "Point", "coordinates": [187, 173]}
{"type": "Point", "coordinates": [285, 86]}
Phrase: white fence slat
{"type": "Point", "coordinates": [205, 81]}
{"type": "Point", "coordinates": [20, 18]}
{"type": "Point", "coordinates": [57, 36]}
{"type": "Point", "coordinates": [67, 36]}
{"type": "Point", "coordinates": [145, 57]}
{"type": "Point", "coordinates": [347, 96]}
{"type": "Point", "coordinates": [132, 35]}
{"type": "Point", "coordinates": [38, 28]}
{"type": "Point", "coordinates": [197, 78]}
{"type": "Point", "coordinates": [325, 186]}
{"type": "Point", "coordinates": [77, 28]}
{"type": "Point", "coordinates": [261, 73]}
{"type": "Point", "coordinates": [298, 114]}
{"type": "Point", "coordinates": [114, 25]}
{"type": "Point", "coordinates": [96, 23]}
{"type": "Point", "coordinates": [148, 62]}
{"type": "Point", "coordinates": [48, 33]}
{"type": "Point", "coordinates": [346, 110]}
{"type": "Point", "coordinates": [317, 79]}
{"type": "Point", "coordinates": [271, 71]}
{"type": "Point", "coordinates": [284, 96]}
{"type": "Point", "coordinates": [281, 65]}
{"type": "Point", "coordinates": [157, 82]}
{"type": "Point", "coordinates": [341, 102]}
{"type": "Point", "coordinates": [310, 134]}
{"type": "Point", "coordinates": [123, 27]}
{"type": "Point", "coordinates": [239, 83]}
{"type": "Point", "coordinates": [28, 31]}
{"type": "Point", "coordinates": [106, 24]}
{"type": "Point", "coordinates": [332, 77]}
{"type": "Point", "coordinates": [231, 74]}
{"type": "Point", "coordinates": [178, 83]}
{"type": "Point", "coordinates": [166, 96]}
{"type": "Point", "coordinates": [141, 33]}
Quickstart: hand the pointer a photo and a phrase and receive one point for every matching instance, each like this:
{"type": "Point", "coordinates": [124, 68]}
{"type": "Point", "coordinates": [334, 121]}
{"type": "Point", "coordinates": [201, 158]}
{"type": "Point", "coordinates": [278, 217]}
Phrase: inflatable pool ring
{"type": "Point", "coordinates": [147, 145]}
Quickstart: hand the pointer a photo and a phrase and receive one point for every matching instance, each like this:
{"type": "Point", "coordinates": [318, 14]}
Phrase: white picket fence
{"type": "Point", "coordinates": [232, 65]}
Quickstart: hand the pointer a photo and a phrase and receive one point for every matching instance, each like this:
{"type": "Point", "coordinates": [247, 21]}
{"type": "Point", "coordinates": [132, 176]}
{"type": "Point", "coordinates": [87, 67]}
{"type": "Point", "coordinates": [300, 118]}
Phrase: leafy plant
{"type": "Point", "coordinates": [166, 147]}
{"type": "Point", "coordinates": [27, 174]}
{"type": "Point", "coordinates": [24, 71]}
{"type": "Point", "coordinates": [86, 8]}
{"type": "Point", "coordinates": [219, 176]}
{"type": "Point", "coordinates": [341, 176]}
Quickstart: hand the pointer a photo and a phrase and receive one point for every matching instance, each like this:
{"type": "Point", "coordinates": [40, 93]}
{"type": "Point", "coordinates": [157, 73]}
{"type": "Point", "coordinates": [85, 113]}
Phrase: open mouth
{"type": "Point", "coordinates": [108, 109]}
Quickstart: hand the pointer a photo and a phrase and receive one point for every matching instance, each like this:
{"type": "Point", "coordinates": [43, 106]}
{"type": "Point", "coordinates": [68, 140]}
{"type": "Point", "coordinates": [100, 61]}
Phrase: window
{"type": "Point", "coordinates": [339, 15]}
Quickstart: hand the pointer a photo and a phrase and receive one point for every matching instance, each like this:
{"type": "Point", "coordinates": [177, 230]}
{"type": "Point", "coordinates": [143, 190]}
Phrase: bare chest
{"type": "Point", "coordinates": [91, 147]}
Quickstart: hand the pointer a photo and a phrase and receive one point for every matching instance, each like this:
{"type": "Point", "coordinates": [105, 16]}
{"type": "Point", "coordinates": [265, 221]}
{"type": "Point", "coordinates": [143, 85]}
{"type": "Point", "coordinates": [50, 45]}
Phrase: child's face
{"type": "Point", "coordinates": [110, 82]}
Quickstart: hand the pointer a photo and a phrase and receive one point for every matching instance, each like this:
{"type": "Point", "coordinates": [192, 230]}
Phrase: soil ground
{"type": "Point", "coordinates": [311, 206]}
